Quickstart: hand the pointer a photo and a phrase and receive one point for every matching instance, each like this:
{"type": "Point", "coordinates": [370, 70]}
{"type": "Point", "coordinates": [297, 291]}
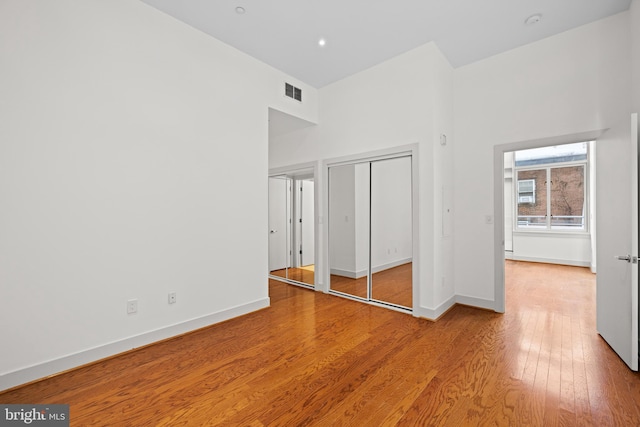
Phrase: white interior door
{"type": "Point", "coordinates": [617, 239]}
{"type": "Point", "coordinates": [307, 224]}
{"type": "Point", "coordinates": [278, 223]}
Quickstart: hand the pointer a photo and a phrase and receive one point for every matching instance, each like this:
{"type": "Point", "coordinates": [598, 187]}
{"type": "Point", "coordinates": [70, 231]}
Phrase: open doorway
{"type": "Point", "coordinates": [292, 203]}
{"type": "Point", "coordinates": [547, 210]}
{"type": "Point", "coordinates": [616, 241]}
{"type": "Point", "coordinates": [529, 235]}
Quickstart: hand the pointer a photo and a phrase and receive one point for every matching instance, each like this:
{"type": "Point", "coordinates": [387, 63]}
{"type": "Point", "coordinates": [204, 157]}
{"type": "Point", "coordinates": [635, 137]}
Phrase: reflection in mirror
{"type": "Point", "coordinates": [391, 232]}
{"type": "Point", "coordinates": [292, 228]}
{"type": "Point", "coordinates": [349, 229]}
{"type": "Point", "coordinates": [303, 268]}
{"type": "Point", "coordinates": [279, 208]}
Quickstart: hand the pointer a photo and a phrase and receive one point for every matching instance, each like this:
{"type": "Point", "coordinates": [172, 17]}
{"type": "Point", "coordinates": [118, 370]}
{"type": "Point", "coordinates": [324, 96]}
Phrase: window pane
{"type": "Point", "coordinates": [555, 154]}
{"type": "Point", "coordinates": [567, 198]}
{"type": "Point", "coordinates": [532, 198]}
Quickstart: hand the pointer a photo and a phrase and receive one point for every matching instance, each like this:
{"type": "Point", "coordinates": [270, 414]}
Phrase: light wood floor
{"type": "Point", "coordinates": [393, 285]}
{"type": "Point", "coordinates": [314, 359]}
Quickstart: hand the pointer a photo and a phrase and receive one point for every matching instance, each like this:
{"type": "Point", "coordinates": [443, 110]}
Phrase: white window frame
{"type": "Point", "coordinates": [547, 227]}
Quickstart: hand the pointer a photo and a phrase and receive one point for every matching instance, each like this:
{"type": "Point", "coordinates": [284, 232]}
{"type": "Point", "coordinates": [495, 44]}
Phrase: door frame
{"type": "Point", "coordinates": [498, 200]}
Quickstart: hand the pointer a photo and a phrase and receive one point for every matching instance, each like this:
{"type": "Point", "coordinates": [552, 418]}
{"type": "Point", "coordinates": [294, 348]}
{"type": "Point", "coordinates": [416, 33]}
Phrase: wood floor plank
{"type": "Point", "coordinates": [399, 381]}
{"type": "Point", "coordinates": [567, 404]}
{"type": "Point", "coordinates": [320, 360]}
{"type": "Point", "coordinates": [554, 354]}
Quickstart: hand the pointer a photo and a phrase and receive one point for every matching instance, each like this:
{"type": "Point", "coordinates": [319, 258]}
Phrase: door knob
{"type": "Point", "coordinates": [629, 258]}
{"type": "Point", "coordinates": [273, 231]}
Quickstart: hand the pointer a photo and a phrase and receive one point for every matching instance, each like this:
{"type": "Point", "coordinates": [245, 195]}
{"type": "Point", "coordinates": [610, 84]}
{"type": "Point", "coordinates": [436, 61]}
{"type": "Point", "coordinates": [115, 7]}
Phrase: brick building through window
{"type": "Point", "coordinates": [551, 188]}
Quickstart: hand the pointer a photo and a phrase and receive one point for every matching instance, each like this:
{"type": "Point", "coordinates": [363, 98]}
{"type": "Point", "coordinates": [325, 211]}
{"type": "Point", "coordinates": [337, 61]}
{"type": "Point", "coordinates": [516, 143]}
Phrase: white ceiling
{"type": "Point", "coordinates": [362, 33]}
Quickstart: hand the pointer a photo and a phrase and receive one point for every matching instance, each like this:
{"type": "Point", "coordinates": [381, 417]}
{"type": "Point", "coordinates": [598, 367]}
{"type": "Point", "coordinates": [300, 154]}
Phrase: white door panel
{"type": "Point", "coordinates": [617, 235]}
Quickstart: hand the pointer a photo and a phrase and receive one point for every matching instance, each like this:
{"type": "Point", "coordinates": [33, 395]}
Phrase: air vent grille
{"type": "Point", "coordinates": [293, 92]}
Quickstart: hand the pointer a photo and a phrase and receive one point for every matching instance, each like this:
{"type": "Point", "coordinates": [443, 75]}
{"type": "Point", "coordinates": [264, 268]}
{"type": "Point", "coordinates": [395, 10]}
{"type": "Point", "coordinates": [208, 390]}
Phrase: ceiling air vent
{"type": "Point", "coordinates": [293, 92]}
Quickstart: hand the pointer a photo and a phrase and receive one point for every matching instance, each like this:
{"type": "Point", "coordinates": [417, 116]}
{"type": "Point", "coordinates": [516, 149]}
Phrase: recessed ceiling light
{"type": "Point", "coordinates": [322, 42]}
{"type": "Point", "coordinates": [240, 10]}
{"type": "Point", "coordinates": [533, 19]}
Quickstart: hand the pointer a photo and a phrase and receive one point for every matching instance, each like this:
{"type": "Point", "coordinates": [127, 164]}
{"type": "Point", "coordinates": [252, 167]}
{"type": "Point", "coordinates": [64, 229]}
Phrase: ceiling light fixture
{"type": "Point", "coordinates": [533, 19]}
{"type": "Point", "coordinates": [322, 42]}
{"type": "Point", "coordinates": [240, 10]}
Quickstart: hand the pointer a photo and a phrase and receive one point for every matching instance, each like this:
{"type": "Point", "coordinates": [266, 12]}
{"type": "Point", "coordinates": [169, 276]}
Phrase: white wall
{"type": "Point", "coordinates": [405, 100]}
{"type": "Point", "coordinates": [362, 177]}
{"type": "Point", "coordinates": [385, 187]}
{"type": "Point", "coordinates": [553, 248]}
{"type": "Point", "coordinates": [574, 82]}
{"type": "Point", "coordinates": [349, 220]}
{"type": "Point", "coordinates": [391, 238]}
{"type": "Point", "coordinates": [342, 220]}
{"type": "Point", "coordinates": [634, 12]}
{"type": "Point", "coordinates": [298, 146]}
{"type": "Point", "coordinates": [121, 128]}
{"type": "Point", "coordinates": [444, 187]}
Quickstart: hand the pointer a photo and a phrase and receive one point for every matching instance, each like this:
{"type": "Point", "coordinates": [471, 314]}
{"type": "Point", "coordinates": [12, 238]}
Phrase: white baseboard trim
{"type": "Point", "coordinates": [389, 265]}
{"type": "Point", "coordinates": [434, 313]}
{"type": "Point", "coordinates": [475, 302]}
{"type": "Point", "coordinates": [573, 263]}
{"type": "Point", "coordinates": [348, 273]}
{"type": "Point", "coordinates": [65, 363]}
{"type": "Point", "coordinates": [361, 273]}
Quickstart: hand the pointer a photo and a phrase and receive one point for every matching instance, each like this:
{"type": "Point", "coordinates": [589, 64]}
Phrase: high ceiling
{"type": "Point", "coordinates": [362, 33]}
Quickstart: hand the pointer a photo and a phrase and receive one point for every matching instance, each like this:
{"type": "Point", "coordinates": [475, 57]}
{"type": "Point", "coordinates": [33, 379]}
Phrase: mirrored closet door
{"type": "Point", "coordinates": [279, 220]}
{"type": "Point", "coordinates": [349, 229]}
{"type": "Point", "coordinates": [291, 228]}
{"type": "Point", "coordinates": [391, 232]}
{"type": "Point", "coordinates": [370, 231]}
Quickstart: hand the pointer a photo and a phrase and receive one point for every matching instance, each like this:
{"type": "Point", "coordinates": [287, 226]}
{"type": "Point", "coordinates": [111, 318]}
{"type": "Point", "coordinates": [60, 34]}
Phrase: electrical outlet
{"type": "Point", "coordinates": [172, 297]}
{"type": "Point", "coordinates": [132, 306]}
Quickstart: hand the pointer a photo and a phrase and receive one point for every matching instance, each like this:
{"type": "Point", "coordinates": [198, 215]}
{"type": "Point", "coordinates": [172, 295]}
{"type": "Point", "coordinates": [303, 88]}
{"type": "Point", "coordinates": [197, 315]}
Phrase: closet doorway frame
{"type": "Point", "coordinates": [371, 156]}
